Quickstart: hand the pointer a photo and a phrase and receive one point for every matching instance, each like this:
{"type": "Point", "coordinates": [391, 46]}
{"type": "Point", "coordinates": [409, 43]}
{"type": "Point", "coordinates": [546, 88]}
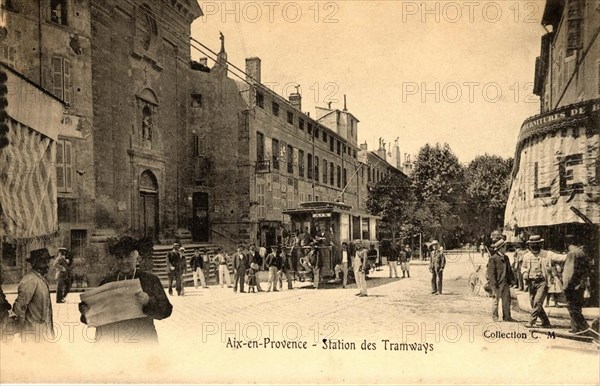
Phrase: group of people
{"type": "Point", "coordinates": [537, 273]}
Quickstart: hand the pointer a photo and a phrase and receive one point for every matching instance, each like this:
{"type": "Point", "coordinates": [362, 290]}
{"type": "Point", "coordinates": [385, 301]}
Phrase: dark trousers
{"type": "Point", "coordinates": [537, 293]}
{"type": "Point", "coordinates": [574, 305]}
{"type": "Point", "coordinates": [63, 286]}
{"type": "Point", "coordinates": [178, 285]}
{"type": "Point", "coordinates": [502, 293]}
{"type": "Point", "coordinates": [238, 277]}
{"type": "Point", "coordinates": [436, 281]}
{"type": "Point", "coordinates": [519, 277]}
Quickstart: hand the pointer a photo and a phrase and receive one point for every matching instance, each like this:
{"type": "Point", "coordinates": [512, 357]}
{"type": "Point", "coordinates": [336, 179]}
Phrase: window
{"type": "Point", "coordinates": [325, 171]}
{"type": "Point", "coordinates": [290, 117]}
{"type": "Point", "coordinates": [275, 108]}
{"type": "Point", "coordinates": [196, 100]}
{"type": "Point", "coordinates": [199, 148]}
{"type": "Point", "coordinates": [78, 242]}
{"type": "Point", "coordinates": [339, 148]}
{"type": "Point", "coordinates": [58, 11]}
{"type": "Point", "coordinates": [331, 174]}
{"type": "Point", "coordinates": [339, 177]}
{"type": "Point", "coordinates": [354, 154]}
{"type": "Point", "coordinates": [9, 54]}
{"type": "Point", "coordinates": [309, 128]}
{"type": "Point", "coordinates": [324, 136]}
{"type": "Point", "coordinates": [290, 159]}
{"type": "Point", "coordinates": [331, 148]}
{"type": "Point", "coordinates": [316, 132]}
{"type": "Point", "coordinates": [64, 166]}
{"type": "Point", "coordinates": [260, 146]}
{"type": "Point", "coordinates": [369, 176]}
{"type": "Point", "coordinates": [301, 123]}
{"type": "Point", "coordinates": [316, 169]}
{"type": "Point", "coordinates": [260, 100]}
{"type": "Point", "coordinates": [301, 163]}
{"type": "Point", "coordinates": [345, 177]}
{"type": "Point", "coordinates": [61, 78]}
{"type": "Point", "coordinates": [309, 166]}
{"type": "Point", "coordinates": [275, 153]}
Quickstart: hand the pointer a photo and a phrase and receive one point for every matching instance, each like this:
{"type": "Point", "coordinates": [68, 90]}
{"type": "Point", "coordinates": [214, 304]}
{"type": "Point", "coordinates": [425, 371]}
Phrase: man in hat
{"type": "Point", "coordinates": [500, 277]}
{"type": "Point", "coordinates": [273, 262]}
{"type": "Point", "coordinates": [33, 306]}
{"type": "Point", "coordinates": [221, 259]}
{"type": "Point", "coordinates": [536, 268]}
{"type": "Point", "coordinates": [256, 262]}
{"type": "Point", "coordinates": [437, 263]}
{"type": "Point", "coordinates": [173, 265]}
{"type": "Point", "coordinates": [63, 274]}
{"type": "Point", "coordinates": [405, 261]}
{"type": "Point", "coordinates": [316, 261]}
{"type": "Point", "coordinates": [240, 266]}
{"type": "Point", "coordinates": [155, 304]}
{"type": "Point", "coordinates": [574, 278]}
{"type": "Point", "coordinates": [197, 266]}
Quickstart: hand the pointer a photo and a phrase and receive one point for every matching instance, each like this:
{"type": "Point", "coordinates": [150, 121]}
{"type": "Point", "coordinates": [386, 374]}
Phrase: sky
{"type": "Point", "coordinates": [421, 71]}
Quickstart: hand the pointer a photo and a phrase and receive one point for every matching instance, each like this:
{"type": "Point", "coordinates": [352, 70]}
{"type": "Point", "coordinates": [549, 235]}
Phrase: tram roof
{"type": "Point", "coordinates": [327, 207]}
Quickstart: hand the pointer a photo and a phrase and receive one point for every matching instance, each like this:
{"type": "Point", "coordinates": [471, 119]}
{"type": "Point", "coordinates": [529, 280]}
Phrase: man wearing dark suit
{"type": "Point", "coordinates": [500, 277]}
{"type": "Point", "coordinates": [240, 266]}
{"type": "Point", "coordinates": [256, 258]}
{"type": "Point", "coordinates": [574, 277]}
{"type": "Point", "coordinates": [437, 263]}
{"type": "Point", "coordinates": [173, 266]}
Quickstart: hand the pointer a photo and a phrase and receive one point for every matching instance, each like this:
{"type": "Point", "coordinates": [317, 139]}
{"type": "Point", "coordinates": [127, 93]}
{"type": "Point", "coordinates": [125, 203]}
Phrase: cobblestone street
{"type": "Point", "coordinates": [449, 329]}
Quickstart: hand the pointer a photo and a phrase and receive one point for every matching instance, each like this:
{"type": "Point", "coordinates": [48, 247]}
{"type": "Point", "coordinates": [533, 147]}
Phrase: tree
{"type": "Point", "coordinates": [438, 182]}
{"type": "Point", "coordinates": [487, 183]}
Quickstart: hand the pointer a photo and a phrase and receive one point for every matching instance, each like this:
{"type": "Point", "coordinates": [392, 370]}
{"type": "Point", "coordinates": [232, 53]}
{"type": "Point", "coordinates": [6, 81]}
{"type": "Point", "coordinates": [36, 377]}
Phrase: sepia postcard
{"type": "Point", "coordinates": [299, 192]}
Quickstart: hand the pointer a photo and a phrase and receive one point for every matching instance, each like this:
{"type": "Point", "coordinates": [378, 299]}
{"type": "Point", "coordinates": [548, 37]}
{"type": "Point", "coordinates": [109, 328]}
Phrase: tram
{"type": "Point", "coordinates": [340, 223]}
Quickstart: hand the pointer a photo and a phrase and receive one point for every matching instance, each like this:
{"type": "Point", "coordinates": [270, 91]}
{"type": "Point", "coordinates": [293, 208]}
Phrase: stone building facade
{"type": "Point", "coordinates": [554, 188]}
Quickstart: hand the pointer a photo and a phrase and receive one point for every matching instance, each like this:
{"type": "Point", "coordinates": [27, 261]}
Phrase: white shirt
{"type": "Point", "coordinates": [344, 256]}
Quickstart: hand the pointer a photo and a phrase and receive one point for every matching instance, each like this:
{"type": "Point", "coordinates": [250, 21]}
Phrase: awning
{"type": "Point", "coordinates": [557, 167]}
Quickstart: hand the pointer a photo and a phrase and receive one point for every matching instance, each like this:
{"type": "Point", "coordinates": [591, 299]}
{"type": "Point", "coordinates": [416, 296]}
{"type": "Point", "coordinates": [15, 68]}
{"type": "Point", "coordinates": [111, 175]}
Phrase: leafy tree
{"type": "Point", "coordinates": [438, 181]}
{"type": "Point", "coordinates": [487, 184]}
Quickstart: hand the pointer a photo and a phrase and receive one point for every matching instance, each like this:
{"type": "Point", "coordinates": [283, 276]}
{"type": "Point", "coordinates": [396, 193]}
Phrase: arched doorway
{"type": "Point", "coordinates": [148, 213]}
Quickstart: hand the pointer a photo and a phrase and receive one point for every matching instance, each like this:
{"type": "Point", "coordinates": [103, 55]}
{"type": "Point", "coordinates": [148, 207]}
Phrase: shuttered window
{"type": "Point", "coordinates": [64, 166]}
{"type": "Point", "coordinates": [61, 78]}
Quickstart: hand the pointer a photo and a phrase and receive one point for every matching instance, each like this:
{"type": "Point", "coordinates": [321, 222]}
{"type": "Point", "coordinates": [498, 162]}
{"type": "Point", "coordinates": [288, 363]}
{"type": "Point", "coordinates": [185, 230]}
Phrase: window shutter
{"type": "Point", "coordinates": [60, 172]}
{"type": "Point", "coordinates": [67, 80]}
{"type": "Point", "coordinates": [68, 166]}
{"type": "Point", "coordinates": [57, 77]}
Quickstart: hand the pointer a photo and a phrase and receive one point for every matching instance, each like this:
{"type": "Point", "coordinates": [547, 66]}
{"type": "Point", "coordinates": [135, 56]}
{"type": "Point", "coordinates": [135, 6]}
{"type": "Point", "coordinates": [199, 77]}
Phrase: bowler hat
{"type": "Point", "coordinates": [535, 239]}
{"type": "Point", "coordinates": [38, 255]}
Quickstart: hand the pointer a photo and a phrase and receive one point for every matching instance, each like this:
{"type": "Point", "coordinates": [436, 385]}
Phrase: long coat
{"type": "Point", "coordinates": [499, 272]}
{"type": "Point", "coordinates": [33, 306]}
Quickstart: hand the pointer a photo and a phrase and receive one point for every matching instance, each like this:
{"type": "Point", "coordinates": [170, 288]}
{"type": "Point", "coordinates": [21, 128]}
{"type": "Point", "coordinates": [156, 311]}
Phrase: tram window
{"type": "Point", "coordinates": [356, 228]}
{"type": "Point", "coordinates": [365, 229]}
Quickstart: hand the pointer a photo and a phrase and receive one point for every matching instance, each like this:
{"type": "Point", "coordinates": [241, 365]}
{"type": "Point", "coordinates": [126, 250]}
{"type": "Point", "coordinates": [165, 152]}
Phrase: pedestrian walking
{"type": "Point", "coordinates": [197, 266]}
{"type": "Point", "coordinates": [240, 266]}
{"type": "Point", "coordinates": [33, 307]}
{"type": "Point", "coordinates": [500, 277]}
{"type": "Point", "coordinates": [392, 259]}
{"type": "Point", "coordinates": [537, 264]}
{"type": "Point", "coordinates": [372, 255]}
{"type": "Point", "coordinates": [575, 273]}
{"type": "Point", "coordinates": [437, 263]}
{"type": "Point", "coordinates": [223, 270]}
{"type": "Point", "coordinates": [181, 271]}
{"type": "Point", "coordinates": [155, 303]}
{"type": "Point", "coordinates": [518, 264]}
{"type": "Point", "coordinates": [359, 266]}
{"type": "Point", "coordinates": [273, 261]}
{"type": "Point", "coordinates": [63, 266]}
{"type": "Point", "coordinates": [251, 273]}
{"type": "Point", "coordinates": [405, 261]}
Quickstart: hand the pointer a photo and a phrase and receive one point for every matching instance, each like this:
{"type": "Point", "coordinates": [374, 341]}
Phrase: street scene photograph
{"type": "Point", "coordinates": [300, 192]}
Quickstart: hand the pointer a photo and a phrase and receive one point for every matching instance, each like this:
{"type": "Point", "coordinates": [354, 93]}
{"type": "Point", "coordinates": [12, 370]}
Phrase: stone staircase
{"type": "Point", "coordinates": [159, 262]}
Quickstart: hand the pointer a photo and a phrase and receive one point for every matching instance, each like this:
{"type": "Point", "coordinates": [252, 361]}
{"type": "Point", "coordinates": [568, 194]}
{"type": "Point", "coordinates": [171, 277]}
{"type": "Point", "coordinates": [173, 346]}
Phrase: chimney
{"type": "Point", "coordinates": [203, 61]}
{"type": "Point", "coordinates": [363, 146]}
{"type": "Point", "coordinates": [296, 99]}
{"type": "Point", "coordinates": [253, 69]}
{"type": "Point", "coordinates": [345, 109]}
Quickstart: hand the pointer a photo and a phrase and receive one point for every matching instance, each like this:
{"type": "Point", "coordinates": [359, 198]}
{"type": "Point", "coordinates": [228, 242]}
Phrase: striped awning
{"type": "Point", "coordinates": [28, 184]}
{"type": "Point", "coordinates": [557, 167]}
